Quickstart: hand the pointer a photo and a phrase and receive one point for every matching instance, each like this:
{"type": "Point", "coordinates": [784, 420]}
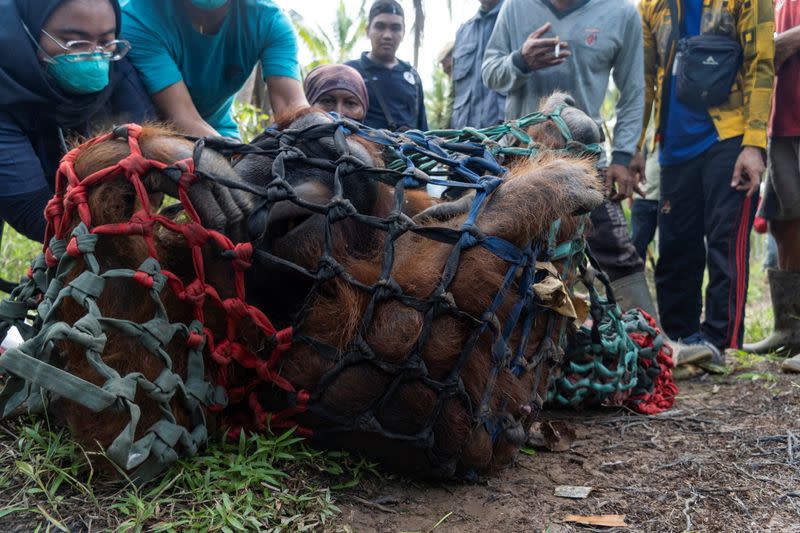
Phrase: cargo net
{"type": "Point", "coordinates": [36, 373]}
{"type": "Point", "coordinates": [216, 360]}
{"type": "Point", "coordinates": [395, 405]}
{"type": "Point", "coordinates": [616, 358]}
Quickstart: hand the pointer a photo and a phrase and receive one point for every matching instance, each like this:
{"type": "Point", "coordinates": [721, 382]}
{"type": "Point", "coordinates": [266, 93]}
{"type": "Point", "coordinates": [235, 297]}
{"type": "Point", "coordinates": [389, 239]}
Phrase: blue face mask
{"type": "Point", "coordinates": [89, 75]}
{"type": "Point", "coordinates": [209, 4]}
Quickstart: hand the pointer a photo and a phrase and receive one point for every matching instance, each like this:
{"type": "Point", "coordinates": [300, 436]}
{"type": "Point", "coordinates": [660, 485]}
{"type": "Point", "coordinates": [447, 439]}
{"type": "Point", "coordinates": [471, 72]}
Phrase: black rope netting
{"type": "Point", "coordinates": [468, 414]}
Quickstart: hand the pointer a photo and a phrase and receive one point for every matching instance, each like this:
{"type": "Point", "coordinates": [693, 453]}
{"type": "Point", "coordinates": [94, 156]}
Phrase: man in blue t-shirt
{"type": "Point", "coordinates": [195, 55]}
{"type": "Point", "coordinates": [711, 164]}
{"type": "Point", "coordinates": [396, 99]}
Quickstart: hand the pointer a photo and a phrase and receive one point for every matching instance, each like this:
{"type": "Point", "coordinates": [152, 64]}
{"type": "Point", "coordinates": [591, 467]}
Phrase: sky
{"type": "Point", "coordinates": [440, 27]}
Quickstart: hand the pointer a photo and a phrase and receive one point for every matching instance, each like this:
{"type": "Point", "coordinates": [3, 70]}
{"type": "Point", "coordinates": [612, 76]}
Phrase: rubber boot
{"type": "Point", "coordinates": [784, 287]}
{"type": "Point", "coordinates": [632, 292]}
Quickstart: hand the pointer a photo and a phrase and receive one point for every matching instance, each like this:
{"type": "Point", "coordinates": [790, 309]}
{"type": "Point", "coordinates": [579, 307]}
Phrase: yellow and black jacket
{"type": "Point", "coordinates": [751, 22]}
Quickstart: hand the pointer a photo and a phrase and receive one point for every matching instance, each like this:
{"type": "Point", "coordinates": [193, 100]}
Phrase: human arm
{"type": "Point", "coordinates": [285, 95]}
{"type": "Point", "coordinates": [748, 169]}
{"type": "Point", "coordinates": [756, 28]}
{"type": "Point", "coordinates": [536, 53]}
{"type": "Point", "coordinates": [279, 63]}
{"type": "Point", "coordinates": [786, 45]}
{"type": "Point", "coordinates": [499, 70]}
{"type": "Point", "coordinates": [174, 104]}
{"type": "Point", "coordinates": [23, 185]}
{"type": "Point", "coordinates": [159, 72]}
{"type": "Point", "coordinates": [650, 70]}
{"type": "Point", "coordinates": [628, 76]}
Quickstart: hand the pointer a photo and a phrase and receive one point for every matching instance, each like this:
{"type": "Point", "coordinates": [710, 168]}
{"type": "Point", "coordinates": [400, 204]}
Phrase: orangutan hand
{"type": "Point", "coordinates": [626, 183]}
{"type": "Point", "coordinates": [540, 53]}
{"type": "Point", "coordinates": [748, 170]}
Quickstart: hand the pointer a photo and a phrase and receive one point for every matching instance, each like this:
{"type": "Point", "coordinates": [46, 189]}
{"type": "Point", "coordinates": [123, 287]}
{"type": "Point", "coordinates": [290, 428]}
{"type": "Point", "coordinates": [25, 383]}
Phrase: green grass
{"type": "Point", "coordinates": [260, 483]}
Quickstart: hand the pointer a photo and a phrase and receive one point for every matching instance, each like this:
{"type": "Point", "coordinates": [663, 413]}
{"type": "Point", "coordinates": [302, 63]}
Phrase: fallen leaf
{"type": "Point", "coordinates": [555, 435]}
{"type": "Point", "coordinates": [552, 293]}
{"type": "Point", "coordinates": [606, 520]}
{"type": "Point", "coordinates": [572, 491]}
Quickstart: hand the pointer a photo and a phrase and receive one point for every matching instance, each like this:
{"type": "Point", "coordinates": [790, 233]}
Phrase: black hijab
{"type": "Point", "coordinates": [24, 85]}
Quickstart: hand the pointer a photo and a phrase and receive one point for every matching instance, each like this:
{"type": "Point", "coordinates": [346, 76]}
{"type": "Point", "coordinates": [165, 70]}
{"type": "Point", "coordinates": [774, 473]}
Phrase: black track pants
{"type": "Point", "coordinates": [702, 221]}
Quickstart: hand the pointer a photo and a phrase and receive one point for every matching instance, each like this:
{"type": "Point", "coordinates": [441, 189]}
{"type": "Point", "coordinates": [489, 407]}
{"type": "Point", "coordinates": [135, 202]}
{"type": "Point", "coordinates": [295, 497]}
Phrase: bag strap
{"type": "Point", "coordinates": [417, 93]}
{"type": "Point", "coordinates": [674, 36]}
{"type": "Point", "coordinates": [381, 102]}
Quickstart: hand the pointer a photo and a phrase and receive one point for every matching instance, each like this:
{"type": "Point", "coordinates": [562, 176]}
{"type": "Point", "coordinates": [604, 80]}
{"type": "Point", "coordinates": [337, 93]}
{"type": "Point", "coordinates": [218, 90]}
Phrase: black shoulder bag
{"type": "Point", "coordinates": [705, 67]}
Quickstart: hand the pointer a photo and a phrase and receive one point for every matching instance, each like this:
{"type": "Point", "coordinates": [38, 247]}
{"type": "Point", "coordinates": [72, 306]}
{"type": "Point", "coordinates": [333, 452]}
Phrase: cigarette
{"type": "Point", "coordinates": [558, 48]}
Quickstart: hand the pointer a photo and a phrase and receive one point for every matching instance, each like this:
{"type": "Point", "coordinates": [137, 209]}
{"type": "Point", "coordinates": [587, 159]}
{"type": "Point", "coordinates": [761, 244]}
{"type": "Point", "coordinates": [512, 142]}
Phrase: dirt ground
{"type": "Point", "coordinates": [726, 458]}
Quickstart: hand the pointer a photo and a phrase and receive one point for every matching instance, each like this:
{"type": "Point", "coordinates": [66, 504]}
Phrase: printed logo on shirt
{"type": "Point", "coordinates": [591, 35]}
{"type": "Point", "coordinates": [710, 61]}
{"type": "Point", "coordinates": [409, 77]}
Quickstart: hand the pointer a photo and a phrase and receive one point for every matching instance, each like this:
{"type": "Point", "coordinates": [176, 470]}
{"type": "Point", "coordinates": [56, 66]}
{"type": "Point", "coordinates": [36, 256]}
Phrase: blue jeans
{"type": "Point", "coordinates": [644, 221]}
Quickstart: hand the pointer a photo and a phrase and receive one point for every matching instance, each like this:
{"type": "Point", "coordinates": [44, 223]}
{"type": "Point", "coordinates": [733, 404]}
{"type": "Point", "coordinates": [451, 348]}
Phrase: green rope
{"type": "Point", "coordinates": [497, 140]}
{"type": "Point", "coordinates": [595, 371]}
{"type": "Point", "coordinates": [44, 381]}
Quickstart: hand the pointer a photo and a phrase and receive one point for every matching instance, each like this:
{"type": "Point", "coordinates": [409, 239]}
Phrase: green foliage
{"type": "Point", "coordinates": [438, 100]}
{"type": "Point", "coordinates": [336, 45]}
{"type": "Point", "coordinates": [758, 317]}
{"type": "Point", "coordinates": [609, 112]}
{"type": "Point", "coordinates": [251, 120]}
{"type": "Point", "coordinates": [16, 254]}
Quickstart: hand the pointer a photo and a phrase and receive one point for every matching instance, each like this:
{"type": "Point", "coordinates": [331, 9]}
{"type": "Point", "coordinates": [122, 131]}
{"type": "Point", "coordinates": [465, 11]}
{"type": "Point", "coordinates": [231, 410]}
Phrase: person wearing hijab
{"type": "Point", "coordinates": [62, 74]}
{"type": "Point", "coordinates": [338, 88]}
{"type": "Point", "coordinates": [195, 55]}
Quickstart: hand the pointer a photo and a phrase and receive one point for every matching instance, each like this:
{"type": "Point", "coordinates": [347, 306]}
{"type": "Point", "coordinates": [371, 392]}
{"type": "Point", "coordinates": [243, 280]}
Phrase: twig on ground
{"type": "Point", "coordinates": [741, 505]}
{"type": "Point", "coordinates": [681, 461]}
{"type": "Point", "coordinates": [373, 505]}
{"type": "Point", "coordinates": [723, 490]}
{"type": "Point", "coordinates": [686, 505]}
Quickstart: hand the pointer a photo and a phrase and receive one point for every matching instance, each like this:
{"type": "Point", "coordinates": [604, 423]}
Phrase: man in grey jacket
{"type": "Point", "coordinates": [475, 104]}
{"type": "Point", "coordinates": [541, 46]}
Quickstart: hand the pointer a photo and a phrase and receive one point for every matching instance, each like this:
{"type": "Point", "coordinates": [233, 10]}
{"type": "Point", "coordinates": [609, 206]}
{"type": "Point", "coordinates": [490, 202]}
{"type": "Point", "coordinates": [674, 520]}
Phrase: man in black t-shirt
{"type": "Point", "coordinates": [396, 99]}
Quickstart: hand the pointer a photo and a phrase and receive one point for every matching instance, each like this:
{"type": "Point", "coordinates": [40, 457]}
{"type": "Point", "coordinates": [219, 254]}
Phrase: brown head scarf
{"type": "Point", "coordinates": [326, 78]}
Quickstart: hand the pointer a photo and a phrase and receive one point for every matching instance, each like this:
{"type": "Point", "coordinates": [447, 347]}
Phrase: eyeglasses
{"type": "Point", "coordinates": [87, 50]}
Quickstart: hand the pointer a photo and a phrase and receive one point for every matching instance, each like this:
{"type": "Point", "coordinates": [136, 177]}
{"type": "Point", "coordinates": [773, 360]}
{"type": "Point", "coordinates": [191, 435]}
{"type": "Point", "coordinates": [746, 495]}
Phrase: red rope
{"type": "Point", "coordinates": [71, 198]}
{"type": "Point", "coordinates": [664, 388]}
